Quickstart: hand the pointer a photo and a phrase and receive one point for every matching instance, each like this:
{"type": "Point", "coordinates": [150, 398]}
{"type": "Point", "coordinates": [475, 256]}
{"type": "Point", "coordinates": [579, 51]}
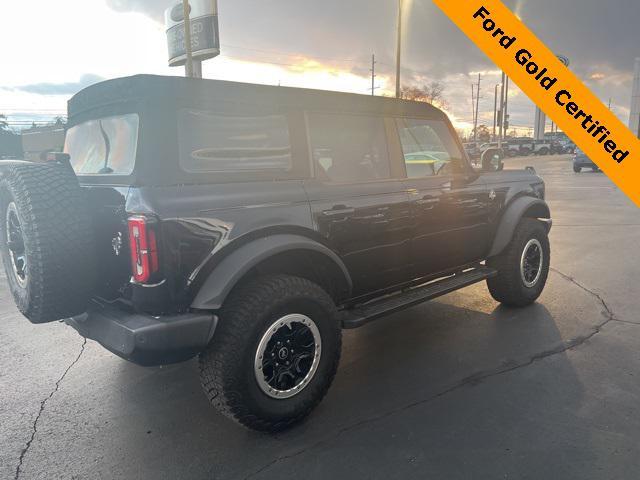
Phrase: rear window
{"type": "Point", "coordinates": [211, 142]}
{"type": "Point", "coordinates": [106, 146]}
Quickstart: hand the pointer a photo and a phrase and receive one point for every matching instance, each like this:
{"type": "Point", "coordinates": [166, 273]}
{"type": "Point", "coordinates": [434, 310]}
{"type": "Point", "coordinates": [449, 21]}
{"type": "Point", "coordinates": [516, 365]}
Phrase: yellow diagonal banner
{"type": "Point", "coordinates": [552, 86]}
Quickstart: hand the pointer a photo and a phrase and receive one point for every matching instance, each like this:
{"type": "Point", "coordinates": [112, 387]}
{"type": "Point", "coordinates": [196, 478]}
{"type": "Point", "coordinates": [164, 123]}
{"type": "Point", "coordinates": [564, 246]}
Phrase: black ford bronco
{"type": "Point", "coordinates": [248, 225]}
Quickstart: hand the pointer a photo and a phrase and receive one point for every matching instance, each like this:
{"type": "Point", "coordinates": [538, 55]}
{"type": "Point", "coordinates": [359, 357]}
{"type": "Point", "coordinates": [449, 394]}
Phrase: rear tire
{"type": "Point", "coordinates": [45, 241]}
{"type": "Point", "coordinates": [523, 267]}
{"type": "Point", "coordinates": [235, 369]}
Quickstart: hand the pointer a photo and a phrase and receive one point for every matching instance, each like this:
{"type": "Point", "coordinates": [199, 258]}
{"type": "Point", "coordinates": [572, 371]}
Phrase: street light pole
{"type": "Point", "coordinates": [495, 111]}
{"type": "Point", "coordinates": [501, 116]}
{"type": "Point", "coordinates": [399, 49]}
{"type": "Point", "coordinates": [187, 37]}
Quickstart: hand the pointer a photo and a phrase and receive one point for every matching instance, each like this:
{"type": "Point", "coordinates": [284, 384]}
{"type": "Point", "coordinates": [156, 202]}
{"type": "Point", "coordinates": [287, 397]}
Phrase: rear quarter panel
{"type": "Point", "coordinates": [209, 221]}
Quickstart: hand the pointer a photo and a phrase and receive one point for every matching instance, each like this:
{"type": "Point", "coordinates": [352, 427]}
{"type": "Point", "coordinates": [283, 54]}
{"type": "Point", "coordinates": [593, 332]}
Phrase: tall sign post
{"type": "Point", "coordinates": [192, 34]}
{"type": "Point", "coordinates": [186, 15]}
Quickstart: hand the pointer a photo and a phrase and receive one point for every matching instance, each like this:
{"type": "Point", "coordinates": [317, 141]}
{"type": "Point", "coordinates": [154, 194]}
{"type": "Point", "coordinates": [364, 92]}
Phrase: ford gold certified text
{"type": "Point", "coordinates": [562, 95]}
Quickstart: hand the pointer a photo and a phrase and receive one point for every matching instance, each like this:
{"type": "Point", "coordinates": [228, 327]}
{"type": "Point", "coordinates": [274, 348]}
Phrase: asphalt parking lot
{"type": "Point", "coordinates": [458, 388]}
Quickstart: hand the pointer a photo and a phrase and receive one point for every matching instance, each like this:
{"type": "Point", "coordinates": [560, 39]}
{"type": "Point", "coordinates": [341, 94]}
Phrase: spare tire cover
{"type": "Point", "coordinates": [46, 241]}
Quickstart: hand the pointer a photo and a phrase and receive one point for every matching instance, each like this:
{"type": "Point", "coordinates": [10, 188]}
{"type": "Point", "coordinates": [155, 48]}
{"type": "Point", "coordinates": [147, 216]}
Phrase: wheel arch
{"type": "Point", "coordinates": [522, 207]}
{"type": "Point", "coordinates": [282, 253]}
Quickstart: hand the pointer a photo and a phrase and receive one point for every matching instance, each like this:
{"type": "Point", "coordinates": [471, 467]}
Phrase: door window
{"type": "Point", "coordinates": [429, 148]}
{"type": "Point", "coordinates": [349, 148]}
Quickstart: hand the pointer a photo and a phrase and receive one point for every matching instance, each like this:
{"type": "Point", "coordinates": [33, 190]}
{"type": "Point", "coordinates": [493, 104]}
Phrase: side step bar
{"type": "Point", "coordinates": [368, 312]}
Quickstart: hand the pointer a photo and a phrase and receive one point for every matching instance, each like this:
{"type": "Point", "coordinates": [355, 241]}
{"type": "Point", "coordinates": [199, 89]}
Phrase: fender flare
{"type": "Point", "coordinates": [232, 269]}
{"type": "Point", "coordinates": [512, 216]}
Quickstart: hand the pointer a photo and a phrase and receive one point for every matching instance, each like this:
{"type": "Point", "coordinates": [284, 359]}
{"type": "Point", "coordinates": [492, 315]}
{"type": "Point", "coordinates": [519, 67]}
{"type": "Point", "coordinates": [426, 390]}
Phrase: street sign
{"type": "Point", "coordinates": [205, 36]}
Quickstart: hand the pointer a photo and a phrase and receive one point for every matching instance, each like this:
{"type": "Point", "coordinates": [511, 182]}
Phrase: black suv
{"type": "Point", "coordinates": [248, 225]}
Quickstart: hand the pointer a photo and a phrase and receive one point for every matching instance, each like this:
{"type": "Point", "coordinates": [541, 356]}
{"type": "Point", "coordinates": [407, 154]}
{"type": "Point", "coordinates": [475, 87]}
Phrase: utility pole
{"type": "Point", "coordinates": [373, 75]}
{"type": "Point", "coordinates": [186, 8]}
{"type": "Point", "coordinates": [495, 111]}
{"type": "Point", "coordinates": [501, 116]}
{"type": "Point", "coordinates": [399, 49]}
{"type": "Point", "coordinates": [475, 123]}
{"type": "Point", "coordinates": [473, 110]}
{"type": "Point", "coordinates": [505, 116]}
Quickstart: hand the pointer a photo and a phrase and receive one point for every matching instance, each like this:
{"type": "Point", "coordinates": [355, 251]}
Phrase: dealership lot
{"type": "Point", "coordinates": [456, 388]}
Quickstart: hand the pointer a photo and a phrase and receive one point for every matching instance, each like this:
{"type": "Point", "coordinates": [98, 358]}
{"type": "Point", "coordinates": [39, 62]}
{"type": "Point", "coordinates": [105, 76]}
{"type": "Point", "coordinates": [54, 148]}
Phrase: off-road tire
{"type": "Point", "coordinates": [227, 366]}
{"type": "Point", "coordinates": [57, 240]}
{"type": "Point", "coordinates": [508, 286]}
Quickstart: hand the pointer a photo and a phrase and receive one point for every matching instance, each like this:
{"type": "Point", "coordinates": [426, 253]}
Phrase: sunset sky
{"type": "Point", "coordinates": [50, 50]}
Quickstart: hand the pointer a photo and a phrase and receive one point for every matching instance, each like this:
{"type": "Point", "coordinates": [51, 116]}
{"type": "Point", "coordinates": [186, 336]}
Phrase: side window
{"type": "Point", "coordinates": [349, 148]}
{"type": "Point", "coordinates": [429, 148]}
{"type": "Point", "coordinates": [211, 142]}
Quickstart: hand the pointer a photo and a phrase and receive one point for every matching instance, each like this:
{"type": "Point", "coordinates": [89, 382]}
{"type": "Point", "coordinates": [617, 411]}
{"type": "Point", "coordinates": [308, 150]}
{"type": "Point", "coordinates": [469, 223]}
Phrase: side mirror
{"type": "Point", "coordinates": [492, 160]}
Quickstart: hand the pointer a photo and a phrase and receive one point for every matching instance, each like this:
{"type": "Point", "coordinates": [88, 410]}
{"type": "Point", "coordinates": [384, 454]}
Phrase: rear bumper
{"type": "Point", "coordinates": [583, 161]}
{"type": "Point", "coordinates": [144, 339]}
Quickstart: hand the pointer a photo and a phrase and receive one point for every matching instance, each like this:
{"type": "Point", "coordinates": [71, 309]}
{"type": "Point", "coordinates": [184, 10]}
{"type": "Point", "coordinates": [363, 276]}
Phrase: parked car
{"type": "Point", "coordinates": [248, 225]}
{"type": "Point", "coordinates": [472, 149]}
{"type": "Point", "coordinates": [580, 161]}
{"type": "Point", "coordinates": [522, 146]}
{"type": "Point", "coordinates": [569, 147]}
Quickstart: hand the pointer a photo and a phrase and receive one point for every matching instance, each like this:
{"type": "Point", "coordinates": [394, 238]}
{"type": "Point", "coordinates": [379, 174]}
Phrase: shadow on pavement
{"type": "Point", "coordinates": [391, 370]}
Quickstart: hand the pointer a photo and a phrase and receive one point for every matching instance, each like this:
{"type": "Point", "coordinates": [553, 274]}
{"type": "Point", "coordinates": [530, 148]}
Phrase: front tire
{"type": "Point", "coordinates": [523, 267]}
{"type": "Point", "coordinates": [576, 169]}
{"type": "Point", "coordinates": [251, 372]}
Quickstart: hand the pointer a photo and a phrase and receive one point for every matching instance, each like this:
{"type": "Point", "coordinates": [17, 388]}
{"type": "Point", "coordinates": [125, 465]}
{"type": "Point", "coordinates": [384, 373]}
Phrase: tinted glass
{"type": "Point", "coordinates": [106, 146]}
{"type": "Point", "coordinates": [211, 142]}
{"type": "Point", "coordinates": [349, 148]}
{"type": "Point", "coordinates": [429, 148]}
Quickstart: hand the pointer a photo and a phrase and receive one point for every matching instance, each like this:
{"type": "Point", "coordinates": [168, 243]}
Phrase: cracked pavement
{"type": "Point", "coordinates": [457, 388]}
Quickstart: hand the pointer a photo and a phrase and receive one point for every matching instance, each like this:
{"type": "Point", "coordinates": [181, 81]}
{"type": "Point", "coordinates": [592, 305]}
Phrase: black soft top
{"type": "Point", "coordinates": [183, 92]}
{"type": "Point", "coordinates": [159, 100]}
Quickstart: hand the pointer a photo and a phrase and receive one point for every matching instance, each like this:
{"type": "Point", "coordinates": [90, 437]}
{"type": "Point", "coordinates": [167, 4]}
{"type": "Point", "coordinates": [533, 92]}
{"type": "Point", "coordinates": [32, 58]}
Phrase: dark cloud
{"type": "Point", "coordinates": [69, 88]}
{"type": "Point", "coordinates": [597, 35]}
{"type": "Point", "coordinates": [589, 31]}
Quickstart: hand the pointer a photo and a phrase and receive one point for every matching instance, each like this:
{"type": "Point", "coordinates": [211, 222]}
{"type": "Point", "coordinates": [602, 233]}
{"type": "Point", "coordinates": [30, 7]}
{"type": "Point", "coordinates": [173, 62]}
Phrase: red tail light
{"type": "Point", "coordinates": [144, 249]}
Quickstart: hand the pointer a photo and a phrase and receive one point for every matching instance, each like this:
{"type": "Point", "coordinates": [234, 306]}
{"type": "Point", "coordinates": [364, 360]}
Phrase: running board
{"type": "Point", "coordinates": [379, 308]}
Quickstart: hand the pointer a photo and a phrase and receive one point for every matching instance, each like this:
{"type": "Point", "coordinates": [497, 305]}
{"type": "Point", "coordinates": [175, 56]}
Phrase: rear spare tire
{"type": "Point", "coordinates": [45, 240]}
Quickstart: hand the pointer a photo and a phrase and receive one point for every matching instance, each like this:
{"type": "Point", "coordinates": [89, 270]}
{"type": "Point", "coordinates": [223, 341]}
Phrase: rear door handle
{"type": "Point", "coordinates": [427, 201]}
{"type": "Point", "coordinates": [339, 212]}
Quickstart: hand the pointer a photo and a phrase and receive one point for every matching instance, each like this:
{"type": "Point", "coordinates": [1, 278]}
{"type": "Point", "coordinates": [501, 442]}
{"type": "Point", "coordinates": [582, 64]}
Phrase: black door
{"type": "Point", "coordinates": [449, 202]}
{"type": "Point", "coordinates": [359, 208]}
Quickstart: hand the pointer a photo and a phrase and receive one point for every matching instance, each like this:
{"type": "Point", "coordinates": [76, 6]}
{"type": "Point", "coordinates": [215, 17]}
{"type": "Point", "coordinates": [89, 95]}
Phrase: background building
{"type": "Point", "coordinates": [38, 140]}
{"type": "Point", "coordinates": [634, 120]}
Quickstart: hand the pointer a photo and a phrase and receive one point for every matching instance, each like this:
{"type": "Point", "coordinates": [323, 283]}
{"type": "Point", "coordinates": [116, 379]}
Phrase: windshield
{"type": "Point", "coordinates": [106, 146]}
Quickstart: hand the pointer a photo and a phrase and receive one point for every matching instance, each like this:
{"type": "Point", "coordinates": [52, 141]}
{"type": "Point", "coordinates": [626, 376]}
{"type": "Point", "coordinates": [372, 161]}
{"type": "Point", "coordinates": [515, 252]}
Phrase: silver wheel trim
{"type": "Point", "coordinates": [264, 341]}
{"type": "Point", "coordinates": [534, 242]}
{"type": "Point", "coordinates": [21, 279]}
